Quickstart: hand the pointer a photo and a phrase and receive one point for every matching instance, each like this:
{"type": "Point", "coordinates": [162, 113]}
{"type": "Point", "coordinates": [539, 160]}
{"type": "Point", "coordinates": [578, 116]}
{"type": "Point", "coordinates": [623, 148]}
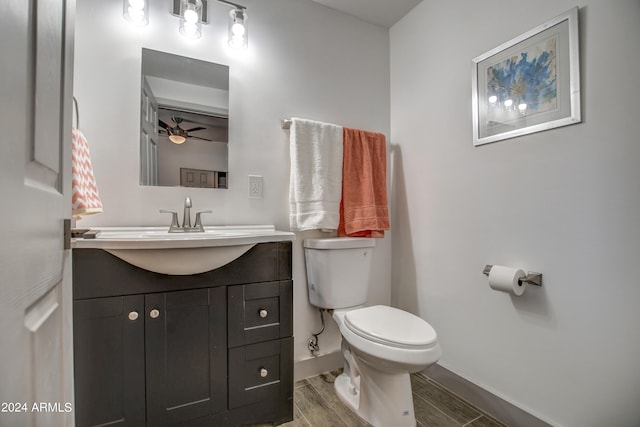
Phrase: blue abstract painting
{"type": "Point", "coordinates": [525, 83]}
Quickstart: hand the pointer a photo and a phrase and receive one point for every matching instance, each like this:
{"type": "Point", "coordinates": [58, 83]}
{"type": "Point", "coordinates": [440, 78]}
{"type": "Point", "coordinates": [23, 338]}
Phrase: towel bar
{"type": "Point", "coordinates": [285, 123]}
{"type": "Point", "coordinates": [75, 104]}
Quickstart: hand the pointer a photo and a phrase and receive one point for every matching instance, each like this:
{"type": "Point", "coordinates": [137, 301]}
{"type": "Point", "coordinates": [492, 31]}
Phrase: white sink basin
{"type": "Point", "coordinates": [155, 249]}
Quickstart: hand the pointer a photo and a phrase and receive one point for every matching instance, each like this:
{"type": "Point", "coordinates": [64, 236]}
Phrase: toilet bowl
{"type": "Point", "coordinates": [381, 345]}
{"type": "Point", "coordinates": [389, 339]}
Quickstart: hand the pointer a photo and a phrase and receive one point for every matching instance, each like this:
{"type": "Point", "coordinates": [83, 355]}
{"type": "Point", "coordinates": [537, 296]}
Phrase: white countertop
{"type": "Point", "coordinates": [160, 238]}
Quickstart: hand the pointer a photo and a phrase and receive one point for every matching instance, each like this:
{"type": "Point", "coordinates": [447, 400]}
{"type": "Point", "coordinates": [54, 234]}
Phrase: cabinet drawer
{"type": "Point", "coordinates": [259, 312]}
{"type": "Point", "coordinates": [259, 372]}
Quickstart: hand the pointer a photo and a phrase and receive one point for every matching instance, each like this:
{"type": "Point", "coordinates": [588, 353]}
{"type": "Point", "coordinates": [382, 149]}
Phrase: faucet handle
{"type": "Point", "coordinates": [174, 218]}
{"type": "Point", "coordinates": [198, 223]}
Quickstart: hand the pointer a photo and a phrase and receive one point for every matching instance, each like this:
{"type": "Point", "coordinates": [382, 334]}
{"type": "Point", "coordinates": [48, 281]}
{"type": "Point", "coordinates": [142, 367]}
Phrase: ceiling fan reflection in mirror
{"type": "Point", "coordinates": [176, 134]}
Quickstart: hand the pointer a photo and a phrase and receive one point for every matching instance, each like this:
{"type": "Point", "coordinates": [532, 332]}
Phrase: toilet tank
{"type": "Point", "coordinates": [338, 271]}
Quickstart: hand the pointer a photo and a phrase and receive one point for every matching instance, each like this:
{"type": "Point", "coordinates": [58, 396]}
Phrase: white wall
{"type": "Point", "coordinates": [564, 202]}
{"type": "Point", "coordinates": [206, 155]}
{"type": "Point", "coordinates": [304, 60]}
{"type": "Point", "coordinates": [173, 90]}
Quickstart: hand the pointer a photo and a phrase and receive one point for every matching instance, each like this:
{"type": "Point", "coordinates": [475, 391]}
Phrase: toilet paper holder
{"type": "Point", "coordinates": [531, 278]}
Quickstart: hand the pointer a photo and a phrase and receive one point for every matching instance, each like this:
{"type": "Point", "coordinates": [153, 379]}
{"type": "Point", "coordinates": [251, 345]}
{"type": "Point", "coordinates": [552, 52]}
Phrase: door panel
{"type": "Point", "coordinates": [43, 322]}
{"type": "Point", "coordinates": [48, 88]}
{"type": "Point", "coordinates": [36, 39]}
{"type": "Point", "coordinates": [148, 136]}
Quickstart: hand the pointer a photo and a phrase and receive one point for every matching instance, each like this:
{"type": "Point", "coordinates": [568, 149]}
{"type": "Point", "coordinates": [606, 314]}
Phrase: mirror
{"type": "Point", "coordinates": [184, 114]}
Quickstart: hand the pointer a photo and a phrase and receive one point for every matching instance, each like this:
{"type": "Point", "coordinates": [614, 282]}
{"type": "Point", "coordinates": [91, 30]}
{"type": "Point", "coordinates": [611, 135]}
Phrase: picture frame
{"type": "Point", "coordinates": [528, 84]}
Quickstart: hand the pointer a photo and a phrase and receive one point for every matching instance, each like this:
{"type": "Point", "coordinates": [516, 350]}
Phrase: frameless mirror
{"type": "Point", "coordinates": [183, 121]}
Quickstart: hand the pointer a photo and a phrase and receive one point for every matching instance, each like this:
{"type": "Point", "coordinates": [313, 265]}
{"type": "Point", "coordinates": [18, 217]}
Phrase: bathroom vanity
{"type": "Point", "coordinates": [213, 348]}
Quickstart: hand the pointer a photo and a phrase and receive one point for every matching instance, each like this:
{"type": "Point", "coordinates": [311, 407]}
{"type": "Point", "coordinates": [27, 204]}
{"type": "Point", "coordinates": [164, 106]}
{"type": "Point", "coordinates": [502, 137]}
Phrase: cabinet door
{"type": "Point", "coordinates": [186, 355]}
{"type": "Point", "coordinates": [108, 335]}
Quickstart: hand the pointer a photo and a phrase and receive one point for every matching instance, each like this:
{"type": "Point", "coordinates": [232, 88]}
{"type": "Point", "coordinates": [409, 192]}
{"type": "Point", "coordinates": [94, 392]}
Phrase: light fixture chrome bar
{"type": "Point", "coordinates": [285, 123]}
{"type": "Point", "coordinates": [236, 5]}
{"type": "Point", "coordinates": [205, 16]}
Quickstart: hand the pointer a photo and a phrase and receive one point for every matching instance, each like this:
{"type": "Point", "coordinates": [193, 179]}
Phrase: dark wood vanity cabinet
{"type": "Point", "coordinates": [211, 349]}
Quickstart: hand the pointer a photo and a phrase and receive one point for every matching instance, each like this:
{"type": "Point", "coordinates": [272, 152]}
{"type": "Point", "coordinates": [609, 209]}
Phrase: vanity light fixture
{"type": "Point", "coordinates": [136, 11]}
{"type": "Point", "coordinates": [192, 14]}
{"type": "Point", "coordinates": [238, 30]}
{"type": "Point", "coordinates": [191, 18]}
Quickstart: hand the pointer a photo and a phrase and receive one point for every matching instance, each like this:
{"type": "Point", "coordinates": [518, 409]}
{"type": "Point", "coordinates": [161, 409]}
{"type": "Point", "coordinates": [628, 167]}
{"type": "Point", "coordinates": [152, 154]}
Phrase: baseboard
{"type": "Point", "coordinates": [493, 405]}
{"type": "Point", "coordinates": [316, 365]}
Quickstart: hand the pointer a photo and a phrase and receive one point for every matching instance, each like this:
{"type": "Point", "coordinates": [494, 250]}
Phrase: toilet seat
{"type": "Point", "coordinates": [391, 327]}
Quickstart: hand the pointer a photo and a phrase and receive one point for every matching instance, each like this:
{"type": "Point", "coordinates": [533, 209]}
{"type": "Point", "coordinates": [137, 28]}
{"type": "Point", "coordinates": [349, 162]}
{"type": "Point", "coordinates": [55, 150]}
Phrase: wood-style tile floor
{"type": "Point", "coordinates": [316, 405]}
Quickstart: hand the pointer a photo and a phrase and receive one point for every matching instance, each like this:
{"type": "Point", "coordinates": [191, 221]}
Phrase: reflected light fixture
{"type": "Point", "coordinates": [136, 11]}
{"type": "Point", "coordinates": [177, 135]}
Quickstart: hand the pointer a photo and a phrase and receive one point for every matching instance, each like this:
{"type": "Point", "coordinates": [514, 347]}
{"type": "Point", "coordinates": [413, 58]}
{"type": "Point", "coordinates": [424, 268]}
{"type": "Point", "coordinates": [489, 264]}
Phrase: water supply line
{"type": "Point", "coordinates": [313, 345]}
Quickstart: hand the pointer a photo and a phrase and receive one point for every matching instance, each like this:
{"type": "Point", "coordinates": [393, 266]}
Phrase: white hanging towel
{"type": "Point", "coordinates": [85, 199]}
{"type": "Point", "coordinates": [315, 187]}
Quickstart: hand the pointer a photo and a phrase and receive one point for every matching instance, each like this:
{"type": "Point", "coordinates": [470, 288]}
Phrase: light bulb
{"type": "Point", "coordinates": [522, 107]}
{"type": "Point", "coordinates": [190, 29]}
{"type": "Point", "coordinates": [237, 42]}
{"type": "Point", "coordinates": [136, 15]}
{"type": "Point", "coordinates": [238, 29]}
{"type": "Point", "coordinates": [190, 15]}
{"type": "Point", "coordinates": [136, 4]}
{"type": "Point", "coordinates": [493, 99]}
{"type": "Point", "coordinates": [508, 103]}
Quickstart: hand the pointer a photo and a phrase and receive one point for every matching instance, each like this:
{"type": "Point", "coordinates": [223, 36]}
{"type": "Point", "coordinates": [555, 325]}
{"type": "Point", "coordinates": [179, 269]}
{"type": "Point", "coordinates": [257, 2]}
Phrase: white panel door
{"type": "Point", "coordinates": [35, 298]}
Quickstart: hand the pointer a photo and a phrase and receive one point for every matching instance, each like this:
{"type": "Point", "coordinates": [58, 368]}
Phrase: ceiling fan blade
{"type": "Point", "coordinates": [197, 137]}
{"type": "Point", "coordinates": [163, 124]}
{"type": "Point", "coordinates": [195, 129]}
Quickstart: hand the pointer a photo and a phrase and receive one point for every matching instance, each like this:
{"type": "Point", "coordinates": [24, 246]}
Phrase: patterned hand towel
{"type": "Point", "coordinates": [85, 199]}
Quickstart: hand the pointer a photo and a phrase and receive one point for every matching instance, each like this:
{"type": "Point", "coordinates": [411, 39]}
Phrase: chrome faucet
{"type": "Point", "coordinates": [186, 227]}
{"type": "Point", "coordinates": [186, 216]}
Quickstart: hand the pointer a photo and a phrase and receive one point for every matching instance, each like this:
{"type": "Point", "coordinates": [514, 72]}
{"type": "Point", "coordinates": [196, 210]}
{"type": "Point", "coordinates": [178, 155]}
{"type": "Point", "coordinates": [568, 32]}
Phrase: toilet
{"type": "Point", "coordinates": [381, 345]}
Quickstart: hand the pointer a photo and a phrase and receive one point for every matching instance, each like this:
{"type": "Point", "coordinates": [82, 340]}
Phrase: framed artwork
{"type": "Point", "coordinates": [528, 84]}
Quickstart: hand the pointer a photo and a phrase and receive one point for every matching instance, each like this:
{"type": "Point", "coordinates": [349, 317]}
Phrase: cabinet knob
{"type": "Point", "coordinates": [264, 372]}
{"type": "Point", "coordinates": [154, 313]}
{"type": "Point", "coordinates": [133, 315]}
{"type": "Point", "coordinates": [263, 313]}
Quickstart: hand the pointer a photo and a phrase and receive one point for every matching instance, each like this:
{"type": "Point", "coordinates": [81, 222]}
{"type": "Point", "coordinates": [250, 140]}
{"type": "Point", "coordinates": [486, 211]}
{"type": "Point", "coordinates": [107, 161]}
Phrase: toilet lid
{"type": "Point", "coordinates": [390, 326]}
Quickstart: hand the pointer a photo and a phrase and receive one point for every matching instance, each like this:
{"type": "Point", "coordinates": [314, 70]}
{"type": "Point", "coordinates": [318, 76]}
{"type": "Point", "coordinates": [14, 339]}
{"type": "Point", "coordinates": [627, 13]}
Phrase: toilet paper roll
{"type": "Point", "coordinates": [506, 279]}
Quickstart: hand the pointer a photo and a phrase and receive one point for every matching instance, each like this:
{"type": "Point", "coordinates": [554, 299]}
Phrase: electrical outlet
{"type": "Point", "coordinates": [255, 186]}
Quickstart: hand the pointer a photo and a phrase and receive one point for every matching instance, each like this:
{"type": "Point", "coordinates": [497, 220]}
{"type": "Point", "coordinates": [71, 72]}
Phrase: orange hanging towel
{"type": "Point", "coordinates": [364, 209]}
